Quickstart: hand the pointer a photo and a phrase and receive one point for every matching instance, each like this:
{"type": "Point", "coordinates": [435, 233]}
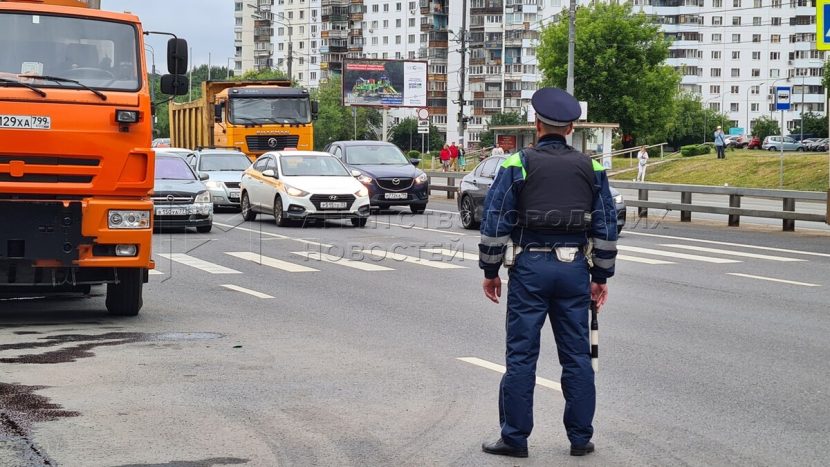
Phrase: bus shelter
{"type": "Point", "coordinates": [591, 138]}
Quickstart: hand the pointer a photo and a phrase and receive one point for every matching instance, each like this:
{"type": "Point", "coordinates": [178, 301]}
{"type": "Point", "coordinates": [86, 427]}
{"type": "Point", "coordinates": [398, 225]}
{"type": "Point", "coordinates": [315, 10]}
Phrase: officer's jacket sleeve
{"type": "Point", "coordinates": [603, 228]}
{"type": "Point", "coordinates": [500, 215]}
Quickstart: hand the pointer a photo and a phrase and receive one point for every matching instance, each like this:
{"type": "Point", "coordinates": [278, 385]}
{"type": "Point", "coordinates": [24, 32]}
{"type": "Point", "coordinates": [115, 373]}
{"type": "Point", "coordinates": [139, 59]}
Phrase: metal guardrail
{"type": "Point", "coordinates": [450, 188]}
{"type": "Point", "coordinates": [787, 214]}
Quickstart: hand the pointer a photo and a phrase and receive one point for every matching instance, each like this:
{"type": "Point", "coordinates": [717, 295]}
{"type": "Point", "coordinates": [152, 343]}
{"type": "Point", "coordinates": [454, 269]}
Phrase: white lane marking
{"type": "Point", "coordinates": [156, 272]}
{"type": "Point", "coordinates": [247, 291]}
{"type": "Point", "coordinates": [451, 253]}
{"type": "Point", "coordinates": [671, 254]}
{"type": "Point", "coordinates": [271, 262]}
{"type": "Point", "coordinates": [383, 254]}
{"type": "Point", "coordinates": [637, 259]}
{"type": "Point", "coordinates": [197, 263]}
{"type": "Point", "coordinates": [501, 369]}
{"type": "Point", "coordinates": [713, 242]}
{"type": "Point", "coordinates": [273, 235]}
{"type": "Point", "coordinates": [771, 279]}
{"type": "Point", "coordinates": [448, 232]}
{"type": "Point", "coordinates": [443, 212]}
{"type": "Point", "coordinates": [363, 266]}
{"type": "Point", "coordinates": [730, 252]}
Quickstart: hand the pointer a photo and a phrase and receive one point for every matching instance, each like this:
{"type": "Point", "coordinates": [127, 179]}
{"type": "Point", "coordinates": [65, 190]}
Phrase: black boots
{"type": "Point", "coordinates": [500, 448]}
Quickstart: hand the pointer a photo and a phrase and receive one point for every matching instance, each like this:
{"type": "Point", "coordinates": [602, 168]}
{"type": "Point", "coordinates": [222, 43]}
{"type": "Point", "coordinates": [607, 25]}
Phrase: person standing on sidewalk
{"type": "Point", "coordinates": [453, 157]}
{"type": "Point", "coordinates": [642, 160]}
{"type": "Point", "coordinates": [720, 143]}
{"type": "Point", "coordinates": [444, 155]}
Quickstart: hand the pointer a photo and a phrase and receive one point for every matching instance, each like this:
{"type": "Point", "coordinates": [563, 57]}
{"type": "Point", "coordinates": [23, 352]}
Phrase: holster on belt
{"type": "Point", "coordinates": [511, 251]}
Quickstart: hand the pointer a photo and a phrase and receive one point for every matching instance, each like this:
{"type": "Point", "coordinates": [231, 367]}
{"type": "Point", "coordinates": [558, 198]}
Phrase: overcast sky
{"type": "Point", "coordinates": [206, 24]}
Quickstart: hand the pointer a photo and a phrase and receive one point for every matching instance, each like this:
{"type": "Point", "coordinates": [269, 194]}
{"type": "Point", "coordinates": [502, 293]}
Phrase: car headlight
{"type": "Point", "coordinates": [421, 178]}
{"type": "Point", "coordinates": [618, 199]}
{"type": "Point", "coordinates": [362, 192]}
{"type": "Point", "coordinates": [128, 219]}
{"type": "Point", "coordinates": [214, 185]}
{"type": "Point", "coordinates": [203, 197]}
{"type": "Point", "coordinates": [364, 179]}
{"type": "Point", "coordinates": [294, 191]}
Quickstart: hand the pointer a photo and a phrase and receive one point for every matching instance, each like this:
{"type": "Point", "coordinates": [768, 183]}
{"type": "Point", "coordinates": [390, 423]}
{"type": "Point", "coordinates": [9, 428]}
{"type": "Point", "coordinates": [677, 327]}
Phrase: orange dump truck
{"type": "Point", "coordinates": [254, 116]}
{"type": "Point", "coordinates": [76, 167]}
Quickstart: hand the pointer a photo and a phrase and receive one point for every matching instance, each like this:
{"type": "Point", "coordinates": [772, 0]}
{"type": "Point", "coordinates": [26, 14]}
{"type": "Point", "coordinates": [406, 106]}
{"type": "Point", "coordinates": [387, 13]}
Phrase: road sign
{"type": "Point", "coordinates": [422, 123]}
{"type": "Point", "coordinates": [782, 98]}
{"type": "Point", "coordinates": [423, 114]}
{"type": "Point", "coordinates": [423, 130]}
{"type": "Point", "coordinates": [823, 24]}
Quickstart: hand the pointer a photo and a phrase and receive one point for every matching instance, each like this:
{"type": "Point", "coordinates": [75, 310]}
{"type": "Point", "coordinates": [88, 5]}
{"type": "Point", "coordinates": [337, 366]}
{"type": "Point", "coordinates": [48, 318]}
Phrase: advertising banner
{"type": "Point", "coordinates": [507, 142]}
{"type": "Point", "coordinates": [385, 83]}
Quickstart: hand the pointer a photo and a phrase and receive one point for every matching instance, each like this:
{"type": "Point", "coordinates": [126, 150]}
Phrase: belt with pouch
{"type": "Point", "coordinates": [565, 254]}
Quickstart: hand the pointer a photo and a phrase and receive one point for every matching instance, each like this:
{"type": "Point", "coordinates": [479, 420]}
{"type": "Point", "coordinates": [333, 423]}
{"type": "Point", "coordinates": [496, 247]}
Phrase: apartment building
{"type": "Point", "coordinates": [253, 34]}
{"type": "Point", "coordinates": [297, 28]}
{"type": "Point", "coordinates": [733, 53]}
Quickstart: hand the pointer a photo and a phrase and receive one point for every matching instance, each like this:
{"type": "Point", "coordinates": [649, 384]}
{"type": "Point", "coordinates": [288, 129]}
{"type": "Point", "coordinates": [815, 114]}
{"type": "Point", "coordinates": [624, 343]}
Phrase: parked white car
{"type": "Point", "coordinates": [300, 185]}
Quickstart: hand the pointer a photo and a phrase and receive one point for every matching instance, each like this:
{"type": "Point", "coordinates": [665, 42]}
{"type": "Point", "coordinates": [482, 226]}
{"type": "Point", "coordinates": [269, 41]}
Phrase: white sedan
{"type": "Point", "coordinates": [299, 185]}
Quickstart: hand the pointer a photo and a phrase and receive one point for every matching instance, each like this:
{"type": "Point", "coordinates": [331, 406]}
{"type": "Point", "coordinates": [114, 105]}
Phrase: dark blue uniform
{"type": "Point", "coordinates": [544, 197]}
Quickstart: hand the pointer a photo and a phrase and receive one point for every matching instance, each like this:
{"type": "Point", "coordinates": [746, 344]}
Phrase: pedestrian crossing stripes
{"type": "Point", "coordinates": [197, 263]}
{"type": "Point", "coordinates": [383, 254]}
{"type": "Point", "coordinates": [672, 254]}
{"type": "Point", "coordinates": [361, 265]}
{"type": "Point", "coordinates": [270, 262]}
{"type": "Point", "coordinates": [451, 253]}
{"type": "Point", "coordinates": [637, 259]}
{"type": "Point", "coordinates": [254, 293]}
{"type": "Point", "coordinates": [731, 252]}
{"type": "Point", "coordinates": [156, 272]}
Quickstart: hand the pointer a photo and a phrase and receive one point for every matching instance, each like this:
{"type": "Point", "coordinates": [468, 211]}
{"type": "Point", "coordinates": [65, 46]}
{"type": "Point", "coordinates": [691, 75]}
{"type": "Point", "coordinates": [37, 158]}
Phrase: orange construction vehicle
{"type": "Point", "coordinates": [76, 167]}
{"type": "Point", "coordinates": [255, 116]}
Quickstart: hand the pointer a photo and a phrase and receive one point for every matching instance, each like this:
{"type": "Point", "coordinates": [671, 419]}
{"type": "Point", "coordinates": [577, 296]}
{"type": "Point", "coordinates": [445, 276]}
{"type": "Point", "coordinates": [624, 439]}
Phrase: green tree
{"type": "Point", "coordinates": [487, 138]}
{"type": "Point", "coordinates": [691, 122]}
{"type": "Point", "coordinates": [619, 68]}
{"type": "Point", "coordinates": [405, 136]}
{"type": "Point", "coordinates": [815, 125]}
{"type": "Point", "coordinates": [265, 73]}
{"type": "Point", "coordinates": [765, 126]}
{"type": "Point", "coordinates": [336, 122]}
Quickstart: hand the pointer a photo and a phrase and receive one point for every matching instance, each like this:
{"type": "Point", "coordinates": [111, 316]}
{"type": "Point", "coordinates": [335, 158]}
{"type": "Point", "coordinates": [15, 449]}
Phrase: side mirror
{"type": "Point", "coordinates": [217, 112]}
{"type": "Point", "coordinates": [356, 173]}
{"type": "Point", "coordinates": [174, 85]}
{"type": "Point", "coordinates": [315, 108]}
{"type": "Point", "coordinates": [177, 56]}
{"type": "Point", "coordinates": [269, 173]}
{"type": "Point", "coordinates": [415, 162]}
{"type": "Point", "coordinates": [203, 176]}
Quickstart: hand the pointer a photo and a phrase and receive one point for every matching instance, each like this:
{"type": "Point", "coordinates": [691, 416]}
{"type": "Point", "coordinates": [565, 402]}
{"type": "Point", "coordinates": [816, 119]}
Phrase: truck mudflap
{"type": "Point", "coordinates": [48, 231]}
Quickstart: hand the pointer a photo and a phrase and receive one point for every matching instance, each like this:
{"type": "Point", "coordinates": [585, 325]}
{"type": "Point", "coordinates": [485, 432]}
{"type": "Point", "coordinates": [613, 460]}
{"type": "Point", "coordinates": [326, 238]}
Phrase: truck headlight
{"type": "Point", "coordinates": [364, 179]}
{"type": "Point", "coordinates": [213, 185]}
{"type": "Point", "coordinates": [203, 197]}
{"type": "Point", "coordinates": [128, 219]}
{"type": "Point", "coordinates": [294, 191]}
{"type": "Point", "coordinates": [421, 178]}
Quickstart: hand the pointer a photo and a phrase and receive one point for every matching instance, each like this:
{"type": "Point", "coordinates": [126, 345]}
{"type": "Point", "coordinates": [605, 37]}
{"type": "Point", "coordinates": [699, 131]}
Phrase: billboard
{"type": "Point", "coordinates": [385, 83]}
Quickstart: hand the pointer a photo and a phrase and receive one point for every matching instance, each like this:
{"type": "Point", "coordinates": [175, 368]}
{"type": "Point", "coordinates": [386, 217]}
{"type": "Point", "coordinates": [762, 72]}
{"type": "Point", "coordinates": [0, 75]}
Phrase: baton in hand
{"type": "Point", "coordinates": [594, 337]}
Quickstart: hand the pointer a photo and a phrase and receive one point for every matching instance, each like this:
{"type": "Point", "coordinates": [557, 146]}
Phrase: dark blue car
{"type": "Point", "coordinates": [392, 179]}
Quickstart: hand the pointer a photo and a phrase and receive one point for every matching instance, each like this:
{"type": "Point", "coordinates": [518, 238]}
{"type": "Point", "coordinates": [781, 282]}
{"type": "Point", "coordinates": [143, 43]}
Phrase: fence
{"type": "Point", "coordinates": [788, 198]}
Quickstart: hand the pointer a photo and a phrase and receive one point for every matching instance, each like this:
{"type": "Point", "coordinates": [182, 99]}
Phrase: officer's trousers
{"type": "Point", "coordinates": [542, 286]}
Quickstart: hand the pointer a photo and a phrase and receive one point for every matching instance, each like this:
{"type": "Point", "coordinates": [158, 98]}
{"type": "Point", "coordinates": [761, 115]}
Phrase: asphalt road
{"type": "Point", "coordinates": [255, 349]}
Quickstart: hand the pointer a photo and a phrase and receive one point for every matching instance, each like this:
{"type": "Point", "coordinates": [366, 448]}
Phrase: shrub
{"type": "Point", "coordinates": [694, 150]}
{"type": "Point", "coordinates": [413, 154]}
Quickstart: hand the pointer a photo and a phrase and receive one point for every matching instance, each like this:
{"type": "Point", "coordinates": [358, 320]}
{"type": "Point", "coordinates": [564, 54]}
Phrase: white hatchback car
{"type": "Point", "coordinates": [300, 185]}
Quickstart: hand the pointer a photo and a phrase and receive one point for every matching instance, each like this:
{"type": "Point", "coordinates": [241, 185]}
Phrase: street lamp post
{"type": "Point", "coordinates": [706, 116]}
{"type": "Point", "coordinates": [228, 69]}
{"type": "Point", "coordinates": [289, 28]}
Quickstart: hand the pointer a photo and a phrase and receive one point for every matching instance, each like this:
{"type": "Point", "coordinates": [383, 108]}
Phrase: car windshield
{"type": "Point", "coordinates": [265, 110]}
{"type": "Point", "coordinates": [218, 162]}
{"type": "Point", "coordinates": [173, 168]}
{"type": "Point", "coordinates": [312, 166]}
{"type": "Point", "coordinates": [376, 154]}
{"type": "Point", "coordinates": [99, 54]}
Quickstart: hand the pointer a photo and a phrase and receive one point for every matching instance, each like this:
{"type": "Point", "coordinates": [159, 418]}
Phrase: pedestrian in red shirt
{"type": "Point", "coordinates": [454, 157]}
{"type": "Point", "coordinates": [445, 158]}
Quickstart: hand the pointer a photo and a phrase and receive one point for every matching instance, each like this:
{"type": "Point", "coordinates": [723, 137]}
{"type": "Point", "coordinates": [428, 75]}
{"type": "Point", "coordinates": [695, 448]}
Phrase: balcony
{"type": "Point", "coordinates": [476, 61]}
{"type": "Point", "coordinates": [334, 3]}
{"type": "Point", "coordinates": [492, 6]}
{"type": "Point", "coordinates": [436, 94]}
{"type": "Point", "coordinates": [336, 34]}
{"type": "Point", "coordinates": [338, 49]}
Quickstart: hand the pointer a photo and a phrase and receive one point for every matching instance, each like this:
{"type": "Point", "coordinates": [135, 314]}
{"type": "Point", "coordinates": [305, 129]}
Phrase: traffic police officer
{"type": "Point", "coordinates": [546, 203]}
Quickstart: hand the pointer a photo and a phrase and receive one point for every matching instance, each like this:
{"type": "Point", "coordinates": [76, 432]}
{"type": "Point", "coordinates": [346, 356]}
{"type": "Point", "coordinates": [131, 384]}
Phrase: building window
{"type": "Point", "coordinates": [714, 89]}
{"type": "Point", "coordinates": [736, 55]}
{"type": "Point", "coordinates": [736, 3]}
{"type": "Point", "coordinates": [757, 3]}
{"type": "Point", "coordinates": [774, 73]}
{"type": "Point", "coordinates": [775, 21]}
{"type": "Point", "coordinates": [736, 21]}
{"type": "Point", "coordinates": [756, 21]}
{"type": "Point", "coordinates": [736, 38]}
{"type": "Point", "coordinates": [717, 3]}
{"type": "Point", "coordinates": [386, 8]}
{"type": "Point", "coordinates": [756, 55]}
{"type": "Point", "coordinates": [397, 39]}
{"type": "Point", "coordinates": [714, 72]}
{"type": "Point", "coordinates": [756, 72]}
{"type": "Point", "coordinates": [775, 55]}
{"type": "Point", "coordinates": [411, 38]}
{"type": "Point", "coordinates": [775, 38]}
{"type": "Point", "coordinates": [385, 40]}
{"type": "Point", "coordinates": [398, 6]}
{"type": "Point", "coordinates": [756, 38]}
{"type": "Point", "coordinates": [735, 89]}
{"type": "Point", "coordinates": [313, 76]}
{"type": "Point", "coordinates": [398, 23]}
{"type": "Point", "coordinates": [716, 55]}
{"type": "Point", "coordinates": [734, 107]}
{"type": "Point", "coordinates": [386, 24]}
{"type": "Point", "coordinates": [755, 90]}
{"type": "Point", "coordinates": [411, 22]}
{"type": "Point", "coordinates": [716, 37]}
{"type": "Point", "coordinates": [736, 72]}
{"type": "Point", "coordinates": [714, 106]}
{"type": "Point", "coordinates": [754, 106]}
{"type": "Point", "coordinates": [717, 20]}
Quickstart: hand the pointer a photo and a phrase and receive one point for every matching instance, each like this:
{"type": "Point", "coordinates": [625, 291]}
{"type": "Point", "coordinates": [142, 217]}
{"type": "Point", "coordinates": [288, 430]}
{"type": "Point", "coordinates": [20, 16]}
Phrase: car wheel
{"type": "Point", "coordinates": [204, 228]}
{"type": "Point", "coordinates": [772, 148]}
{"type": "Point", "coordinates": [467, 213]}
{"type": "Point", "coordinates": [359, 221]}
{"type": "Point", "coordinates": [247, 211]}
{"type": "Point", "coordinates": [418, 208]}
{"type": "Point", "coordinates": [279, 218]}
{"type": "Point", "coordinates": [800, 149]}
{"type": "Point", "coordinates": [124, 298]}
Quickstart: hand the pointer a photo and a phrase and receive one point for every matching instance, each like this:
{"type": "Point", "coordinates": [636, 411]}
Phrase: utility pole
{"type": "Point", "coordinates": [462, 122]}
{"type": "Point", "coordinates": [571, 46]}
{"type": "Point", "coordinates": [290, 54]}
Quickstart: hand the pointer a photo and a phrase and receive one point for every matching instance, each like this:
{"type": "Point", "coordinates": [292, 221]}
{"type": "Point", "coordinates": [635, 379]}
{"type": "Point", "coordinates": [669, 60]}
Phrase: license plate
{"type": "Point", "coordinates": [233, 195]}
{"type": "Point", "coordinates": [27, 122]}
{"type": "Point", "coordinates": [171, 212]}
{"type": "Point", "coordinates": [395, 196]}
{"type": "Point", "coordinates": [333, 205]}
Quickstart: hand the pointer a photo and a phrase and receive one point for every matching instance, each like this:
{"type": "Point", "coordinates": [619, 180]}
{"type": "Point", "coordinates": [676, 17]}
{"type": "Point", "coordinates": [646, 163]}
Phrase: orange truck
{"type": "Point", "coordinates": [255, 116]}
{"type": "Point", "coordinates": [76, 167]}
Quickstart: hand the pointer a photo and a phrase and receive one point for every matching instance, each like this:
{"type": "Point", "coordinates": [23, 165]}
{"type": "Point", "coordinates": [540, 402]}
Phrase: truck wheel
{"type": "Point", "coordinates": [124, 298]}
{"type": "Point", "coordinates": [247, 210]}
